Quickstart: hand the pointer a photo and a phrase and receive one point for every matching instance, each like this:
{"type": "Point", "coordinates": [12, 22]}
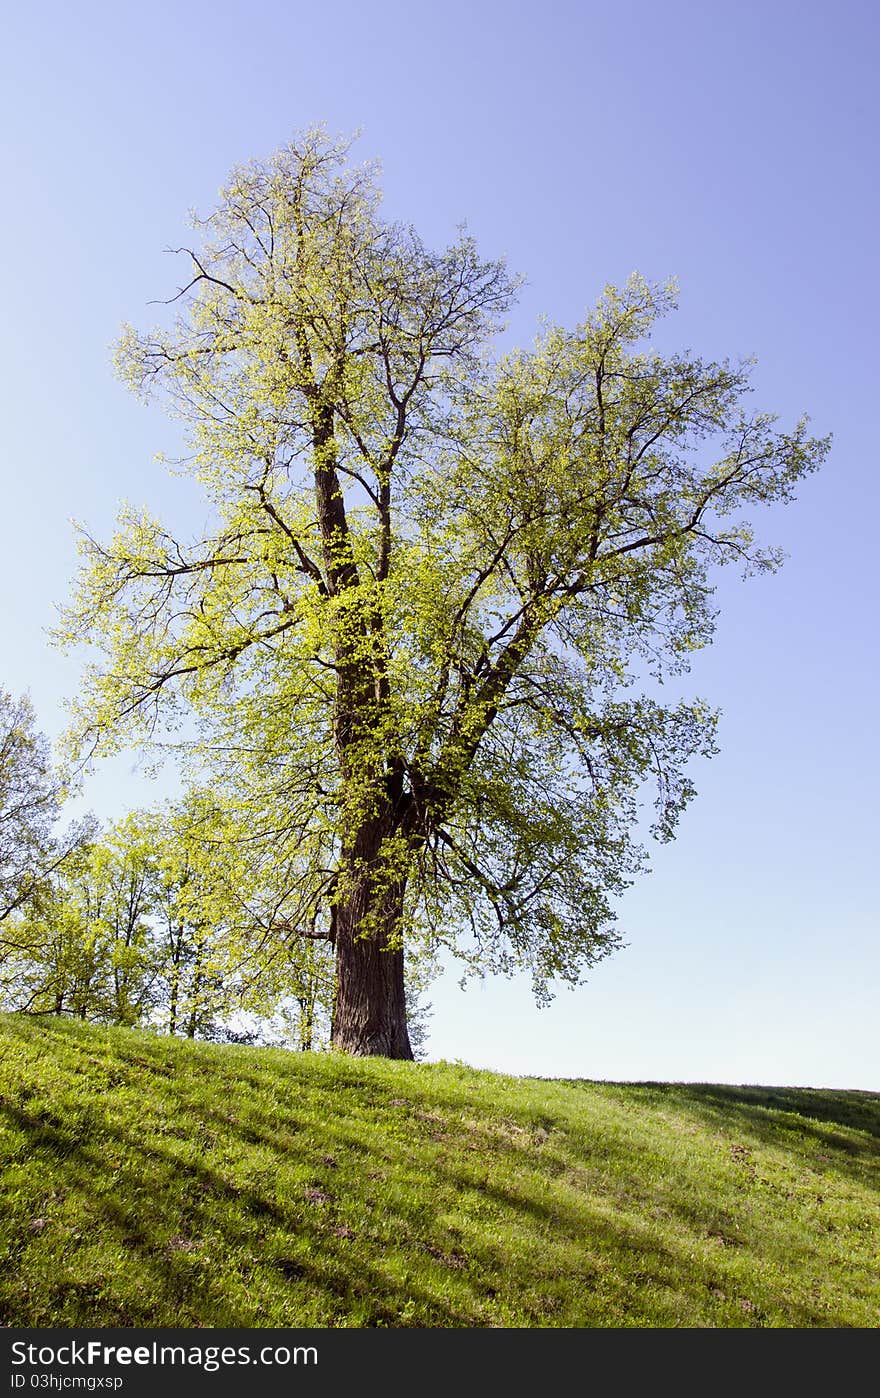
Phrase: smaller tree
{"type": "Point", "coordinates": [35, 932]}
{"type": "Point", "coordinates": [30, 800]}
{"type": "Point", "coordinates": [83, 944]}
{"type": "Point", "coordinates": [229, 915]}
{"type": "Point", "coordinates": [123, 876]}
{"type": "Point", "coordinates": [52, 963]}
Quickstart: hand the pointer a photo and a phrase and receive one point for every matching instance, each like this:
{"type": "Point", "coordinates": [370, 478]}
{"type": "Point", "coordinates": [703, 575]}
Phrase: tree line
{"type": "Point", "coordinates": [156, 920]}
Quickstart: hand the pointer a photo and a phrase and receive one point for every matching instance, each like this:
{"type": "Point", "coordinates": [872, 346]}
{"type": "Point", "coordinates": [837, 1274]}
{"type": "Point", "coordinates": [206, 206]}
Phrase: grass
{"type": "Point", "coordinates": [153, 1182]}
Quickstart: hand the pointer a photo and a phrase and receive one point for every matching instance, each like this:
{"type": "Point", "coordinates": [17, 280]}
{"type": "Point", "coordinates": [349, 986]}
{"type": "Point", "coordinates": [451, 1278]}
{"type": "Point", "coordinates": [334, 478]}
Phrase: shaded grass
{"type": "Point", "coordinates": [147, 1181]}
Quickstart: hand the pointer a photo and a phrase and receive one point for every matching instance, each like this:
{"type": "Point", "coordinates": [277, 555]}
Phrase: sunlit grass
{"type": "Point", "coordinates": [146, 1181]}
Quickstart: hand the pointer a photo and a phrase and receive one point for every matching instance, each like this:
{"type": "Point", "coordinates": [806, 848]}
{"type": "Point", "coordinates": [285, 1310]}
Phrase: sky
{"type": "Point", "coordinates": [732, 146]}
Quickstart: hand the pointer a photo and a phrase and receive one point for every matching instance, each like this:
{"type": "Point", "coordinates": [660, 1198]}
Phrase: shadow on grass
{"type": "Point", "coordinates": [182, 1202]}
{"type": "Point", "coordinates": [858, 1111]}
{"type": "Point", "coordinates": [280, 1256]}
{"type": "Point", "coordinates": [641, 1279]}
{"type": "Point", "coordinates": [773, 1116]}
{"type": "Point", "coordinates": [282, 1250]}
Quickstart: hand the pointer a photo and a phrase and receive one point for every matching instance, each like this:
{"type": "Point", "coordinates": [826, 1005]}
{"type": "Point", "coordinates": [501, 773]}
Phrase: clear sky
{"type": "Point", "coordinates": [734, 146]}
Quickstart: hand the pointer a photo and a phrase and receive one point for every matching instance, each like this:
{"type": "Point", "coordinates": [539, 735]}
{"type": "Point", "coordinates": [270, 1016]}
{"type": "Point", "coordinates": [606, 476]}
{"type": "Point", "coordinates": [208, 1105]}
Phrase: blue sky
{"type": "Point", "coordinates": [731, 146]}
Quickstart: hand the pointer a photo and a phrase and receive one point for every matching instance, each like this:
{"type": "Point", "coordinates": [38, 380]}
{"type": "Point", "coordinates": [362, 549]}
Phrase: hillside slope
{"type": "Point", "coordinates": [148, 1181]}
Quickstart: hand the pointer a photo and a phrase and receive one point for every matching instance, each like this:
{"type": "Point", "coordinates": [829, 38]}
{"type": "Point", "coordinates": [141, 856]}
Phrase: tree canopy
{"type": "Point", "coordinates": [419, 636]}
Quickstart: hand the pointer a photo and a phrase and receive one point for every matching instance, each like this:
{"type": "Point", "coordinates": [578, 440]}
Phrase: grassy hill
{"type": "Point", "coordinates": [146, 1181]}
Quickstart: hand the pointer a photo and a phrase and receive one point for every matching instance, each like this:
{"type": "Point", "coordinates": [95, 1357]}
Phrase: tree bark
{"type": "Point", "coordinates": [369, 1012]}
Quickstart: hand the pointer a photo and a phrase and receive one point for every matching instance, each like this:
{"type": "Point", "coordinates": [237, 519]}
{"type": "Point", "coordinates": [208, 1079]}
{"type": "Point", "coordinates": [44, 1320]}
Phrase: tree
{"type": "Point", "coordinates": [412, 633]}
{"type": "Point", "coordinates": [118, 896]}
{"type": "Point", "coordinates": [206, 934]}
{"type": "Point", "coordinates": [83, 944]}
{"type": "Point", "coordinates": [31, 795]}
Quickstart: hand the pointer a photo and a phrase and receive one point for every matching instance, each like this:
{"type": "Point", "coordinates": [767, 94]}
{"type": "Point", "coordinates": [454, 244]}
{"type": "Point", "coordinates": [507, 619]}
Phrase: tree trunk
{"type": "Point", "coordinates": [306, 1022]}
{"type": "Point", "coordinates": [196, 991]}
{"type": "Point", "coordinates": [369, 1012]}
{"type": "Point", "coordinates": [176, 949]}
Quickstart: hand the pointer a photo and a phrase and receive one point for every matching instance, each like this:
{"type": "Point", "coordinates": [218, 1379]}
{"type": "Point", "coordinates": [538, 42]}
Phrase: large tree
{"type": "Point", "coordinates": [434, 576]}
